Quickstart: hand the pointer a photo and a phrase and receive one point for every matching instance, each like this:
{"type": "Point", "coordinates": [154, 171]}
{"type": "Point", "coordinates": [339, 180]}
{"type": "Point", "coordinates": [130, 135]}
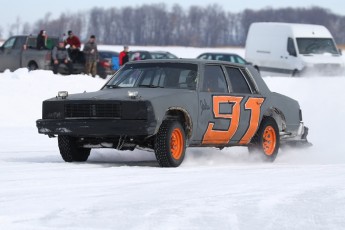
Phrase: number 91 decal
{"type": "Point", "coordinates": [253, 104]}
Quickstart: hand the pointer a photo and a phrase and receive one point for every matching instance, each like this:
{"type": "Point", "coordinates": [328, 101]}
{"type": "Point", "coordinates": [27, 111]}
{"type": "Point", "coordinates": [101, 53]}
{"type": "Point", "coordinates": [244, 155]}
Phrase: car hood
{"type": "Point", "coordinates": [122, 94]}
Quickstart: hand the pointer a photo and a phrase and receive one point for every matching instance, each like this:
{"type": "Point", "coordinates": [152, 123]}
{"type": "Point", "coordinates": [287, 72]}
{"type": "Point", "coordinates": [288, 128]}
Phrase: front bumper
{"type": "Point", "coordinates": [96, 127]}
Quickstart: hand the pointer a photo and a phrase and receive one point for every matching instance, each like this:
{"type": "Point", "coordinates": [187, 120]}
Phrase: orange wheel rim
{"type": "Point", "coordinates": [176, 144]}
{"type": "Point", "coordinates": [269, 140]}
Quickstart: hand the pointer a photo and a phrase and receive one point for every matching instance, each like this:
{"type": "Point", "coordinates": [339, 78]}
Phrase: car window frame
{"type": "Point", "coordinates": [201, 86]}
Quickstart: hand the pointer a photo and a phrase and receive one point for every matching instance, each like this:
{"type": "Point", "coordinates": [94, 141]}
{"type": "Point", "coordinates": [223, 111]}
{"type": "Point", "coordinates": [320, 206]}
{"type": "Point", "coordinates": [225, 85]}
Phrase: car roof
{"type": "Point", "coordinates": [220, 53]}
{"type": "Point", "coordinates": [108, 51]}
{"type": "Point", "coordinates": [190, 61]}
{"type": "Point", "coordinates": [160, 52]}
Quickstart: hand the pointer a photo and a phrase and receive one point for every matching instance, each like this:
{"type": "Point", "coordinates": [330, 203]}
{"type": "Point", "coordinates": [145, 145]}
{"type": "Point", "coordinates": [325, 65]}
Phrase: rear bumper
{"type": "Point", "coordinates": [299, 136]}
{"type": "Point", "coordinates": [96, 127]}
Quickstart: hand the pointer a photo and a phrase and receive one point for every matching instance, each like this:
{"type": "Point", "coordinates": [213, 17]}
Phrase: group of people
{"type": "Point", "coordinates": [68, 51]}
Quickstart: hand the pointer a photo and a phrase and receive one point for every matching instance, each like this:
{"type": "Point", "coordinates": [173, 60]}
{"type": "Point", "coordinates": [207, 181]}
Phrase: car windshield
{"type": "Point", "coordinates": [156, 75]}
{"type": "Point", "coordinates": [316, 46]}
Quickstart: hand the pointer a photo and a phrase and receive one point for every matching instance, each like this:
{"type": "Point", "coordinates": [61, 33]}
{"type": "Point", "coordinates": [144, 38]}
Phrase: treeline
{"type": "Point", "coordinates": [155, 24]}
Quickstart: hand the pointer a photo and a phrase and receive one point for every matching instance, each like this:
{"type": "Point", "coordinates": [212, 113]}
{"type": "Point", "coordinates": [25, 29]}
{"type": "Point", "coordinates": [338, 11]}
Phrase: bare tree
{"type": "Point", "coordinates": [154, 24]}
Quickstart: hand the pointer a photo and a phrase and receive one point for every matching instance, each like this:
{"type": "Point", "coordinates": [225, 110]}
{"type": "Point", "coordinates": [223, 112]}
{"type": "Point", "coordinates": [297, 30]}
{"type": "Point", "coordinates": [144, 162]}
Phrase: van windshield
{"type": "Point", "coordinates": [316, 46]}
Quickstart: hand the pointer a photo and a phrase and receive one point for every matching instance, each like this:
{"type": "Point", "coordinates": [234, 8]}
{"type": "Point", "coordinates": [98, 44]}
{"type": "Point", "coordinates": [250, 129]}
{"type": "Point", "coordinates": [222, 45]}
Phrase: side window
{"type": "Point", "coordinates": [9, 44]}
{"type": "Point", "coordinates": [291, 47]}
{"type": "Point", "coordinates": [237, 80]}
{"type": "Point", "coordinates": [240, 60]}
{"type": "Point", "coordinates": [204, 56]}
{"type": "Point", "coordinates": [214, 80]}
{"type": "Point", "coordinates": [19, 44]}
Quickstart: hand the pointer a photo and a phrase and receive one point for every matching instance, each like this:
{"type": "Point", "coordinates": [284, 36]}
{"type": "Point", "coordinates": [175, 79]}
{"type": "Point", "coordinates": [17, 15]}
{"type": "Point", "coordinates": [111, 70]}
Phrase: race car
{"type": "Point", "coordinates": [169, 105]}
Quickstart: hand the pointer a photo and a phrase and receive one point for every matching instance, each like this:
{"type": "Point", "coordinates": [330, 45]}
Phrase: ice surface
{"type": "Point", "coordinates": [213, 189]}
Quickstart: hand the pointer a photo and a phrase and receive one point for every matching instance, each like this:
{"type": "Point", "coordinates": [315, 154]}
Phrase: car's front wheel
{"type": "Point", "coordinates": [170, 144]}
{"type": "Point", "coordinates": [70, 151]}
{"type": "Point", "coordinates": [267, 139]}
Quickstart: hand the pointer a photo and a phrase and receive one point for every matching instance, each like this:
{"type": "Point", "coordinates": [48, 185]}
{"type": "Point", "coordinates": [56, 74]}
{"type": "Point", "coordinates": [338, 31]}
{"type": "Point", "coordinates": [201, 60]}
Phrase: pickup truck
{"type": "Point", "coordinates": [167, 105]}
{"type": "Point", "coordinates": [20, 51]}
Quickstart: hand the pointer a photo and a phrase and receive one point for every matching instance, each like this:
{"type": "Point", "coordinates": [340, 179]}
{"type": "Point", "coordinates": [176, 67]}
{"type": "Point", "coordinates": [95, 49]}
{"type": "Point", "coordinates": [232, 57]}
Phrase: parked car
{"type": "Point", "coordinates": [136, 55]}
{"type": "Point", "coordinates": [230, 57]}
{"type": "Point", "coordinates": [162, 55]}
{"type": "Point", "coordinates": [108, 63]}
{"type": "Point", "coordinates": [167, 105]}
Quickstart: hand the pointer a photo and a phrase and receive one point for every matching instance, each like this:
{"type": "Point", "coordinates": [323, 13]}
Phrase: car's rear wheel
{"type": "Point", "coordinates": [70, 151]}
{"type": "Point", "coordinates": [32, 66]}
{"type": "Point", "coordinates": [267, 139]}
{"type": "Point", "coordinates": [170, 144]}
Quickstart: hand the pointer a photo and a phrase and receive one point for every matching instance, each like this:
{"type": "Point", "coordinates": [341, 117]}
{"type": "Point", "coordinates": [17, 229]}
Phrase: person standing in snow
{"type": "Point", "coordinates": [123, 56]}
{"type": "Point", "coordinates": [91, 56]}
{"type": "Point", "coordinates": [60, 56]}
{"type": "Point", "coordinates": [74, 42]}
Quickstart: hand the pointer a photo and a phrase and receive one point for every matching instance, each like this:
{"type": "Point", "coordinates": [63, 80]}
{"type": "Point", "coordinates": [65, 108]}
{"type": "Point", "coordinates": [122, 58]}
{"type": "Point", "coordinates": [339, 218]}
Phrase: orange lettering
{"type": "Point", "coordinates": [254, 104]}
{"type": "Point", "coordinates": [223, 136]}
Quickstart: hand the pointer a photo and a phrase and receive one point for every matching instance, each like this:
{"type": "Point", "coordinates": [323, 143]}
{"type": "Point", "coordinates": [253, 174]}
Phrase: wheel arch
{"type": "Point", "coordinates": [277, 115]}
{"type": "Point", "coordinates": [32, 63]}
{"type": "Point", "coordinates": [183, 116]}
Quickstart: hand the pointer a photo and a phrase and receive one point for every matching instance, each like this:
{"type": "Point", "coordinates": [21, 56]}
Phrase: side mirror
{"type": "Point", "coordinates": [340, 51]}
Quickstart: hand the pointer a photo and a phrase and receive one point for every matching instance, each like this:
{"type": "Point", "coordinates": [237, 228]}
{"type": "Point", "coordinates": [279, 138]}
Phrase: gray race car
{"type": "Point", "coordinates": [168, 105]}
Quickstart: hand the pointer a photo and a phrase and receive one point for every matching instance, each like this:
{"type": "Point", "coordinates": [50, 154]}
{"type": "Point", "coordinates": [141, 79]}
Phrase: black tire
{"type": "Point", "coordinates": [70, 151]}
{"type": "Point", "coordinates": [32, 66]}
{"type": "Point", "coordinates": [267, 139]}
{"type": "Point", "coordinates": [170, 144]}
{"type": "Point", "coordinates": [295, 73]}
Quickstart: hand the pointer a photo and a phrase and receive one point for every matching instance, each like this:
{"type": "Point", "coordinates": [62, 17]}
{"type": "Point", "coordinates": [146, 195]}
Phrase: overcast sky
{"type": "Point", "coordinates": [31, 11]}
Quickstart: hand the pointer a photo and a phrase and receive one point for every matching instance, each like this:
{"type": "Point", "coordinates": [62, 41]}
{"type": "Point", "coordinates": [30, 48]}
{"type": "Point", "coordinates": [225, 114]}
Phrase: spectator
{"type": "Point", "coordinates": [74, 43]}
{"type": "Point", "coordinates": [91, 56]}
{"type": "Point", "coordinates": [136, 56]}
{"type": "Point", "coordinates": [42, 40]}
{"type": "Point", "coordinates": [123, 56]}
{"type": "Point", "coordinates": [60, 56]}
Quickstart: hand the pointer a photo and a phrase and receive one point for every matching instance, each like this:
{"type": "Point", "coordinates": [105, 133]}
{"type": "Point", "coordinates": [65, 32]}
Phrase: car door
{"type": "Point", "coordinates": [229, 116]}
{"type": "Point", "coordinates": [243, 88]}
{"type": "Point", "coordinates": [6, 53]}
{"type": "Point", "coordinates": [213, 86]}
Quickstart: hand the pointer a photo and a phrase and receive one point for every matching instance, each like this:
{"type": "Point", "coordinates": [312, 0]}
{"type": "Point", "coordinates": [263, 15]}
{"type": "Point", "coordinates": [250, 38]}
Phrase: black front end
{"type": "Point", "coordinates": [96, 118]}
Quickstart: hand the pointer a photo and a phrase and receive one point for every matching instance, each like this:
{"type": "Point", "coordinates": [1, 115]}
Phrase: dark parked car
{"type": "Point", "coordinates": [162, 55]}
{"type": "Point", "coordinates": [137, 55]}
{"type": "Point", "coordinates": [230, 57]}
{"type": "Point", "coordinates": [108, 63]}
{"type": "Point", "coordinates": [169, 105]}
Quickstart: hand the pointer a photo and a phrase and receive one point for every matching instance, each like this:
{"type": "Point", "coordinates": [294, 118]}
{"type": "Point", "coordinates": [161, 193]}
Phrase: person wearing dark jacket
{"type": "Point", "coordinates": [75, 44]}
{"type": "Point", "coordinates": [91, 56]}
{"type": "Point", "coordinates": [60, 56]}
{"type": "Point", "coordinates": [123, 56]}
{"type": "Point", "coordinates": [42, 40]}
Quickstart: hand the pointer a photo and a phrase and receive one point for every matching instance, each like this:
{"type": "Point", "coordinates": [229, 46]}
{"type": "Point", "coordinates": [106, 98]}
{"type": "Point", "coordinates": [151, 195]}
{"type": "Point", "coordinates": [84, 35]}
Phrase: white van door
{"type": "Point", "coordinates": [289, 60]}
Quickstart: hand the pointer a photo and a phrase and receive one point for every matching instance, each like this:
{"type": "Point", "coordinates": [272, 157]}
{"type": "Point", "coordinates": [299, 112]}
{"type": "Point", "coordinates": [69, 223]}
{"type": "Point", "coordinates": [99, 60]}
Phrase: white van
{"type": "Point", "coordinates": [292, 49]}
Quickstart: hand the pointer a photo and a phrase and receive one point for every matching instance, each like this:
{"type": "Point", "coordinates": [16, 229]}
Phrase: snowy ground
{"type": "Point", "coordinates": [213, 189]}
